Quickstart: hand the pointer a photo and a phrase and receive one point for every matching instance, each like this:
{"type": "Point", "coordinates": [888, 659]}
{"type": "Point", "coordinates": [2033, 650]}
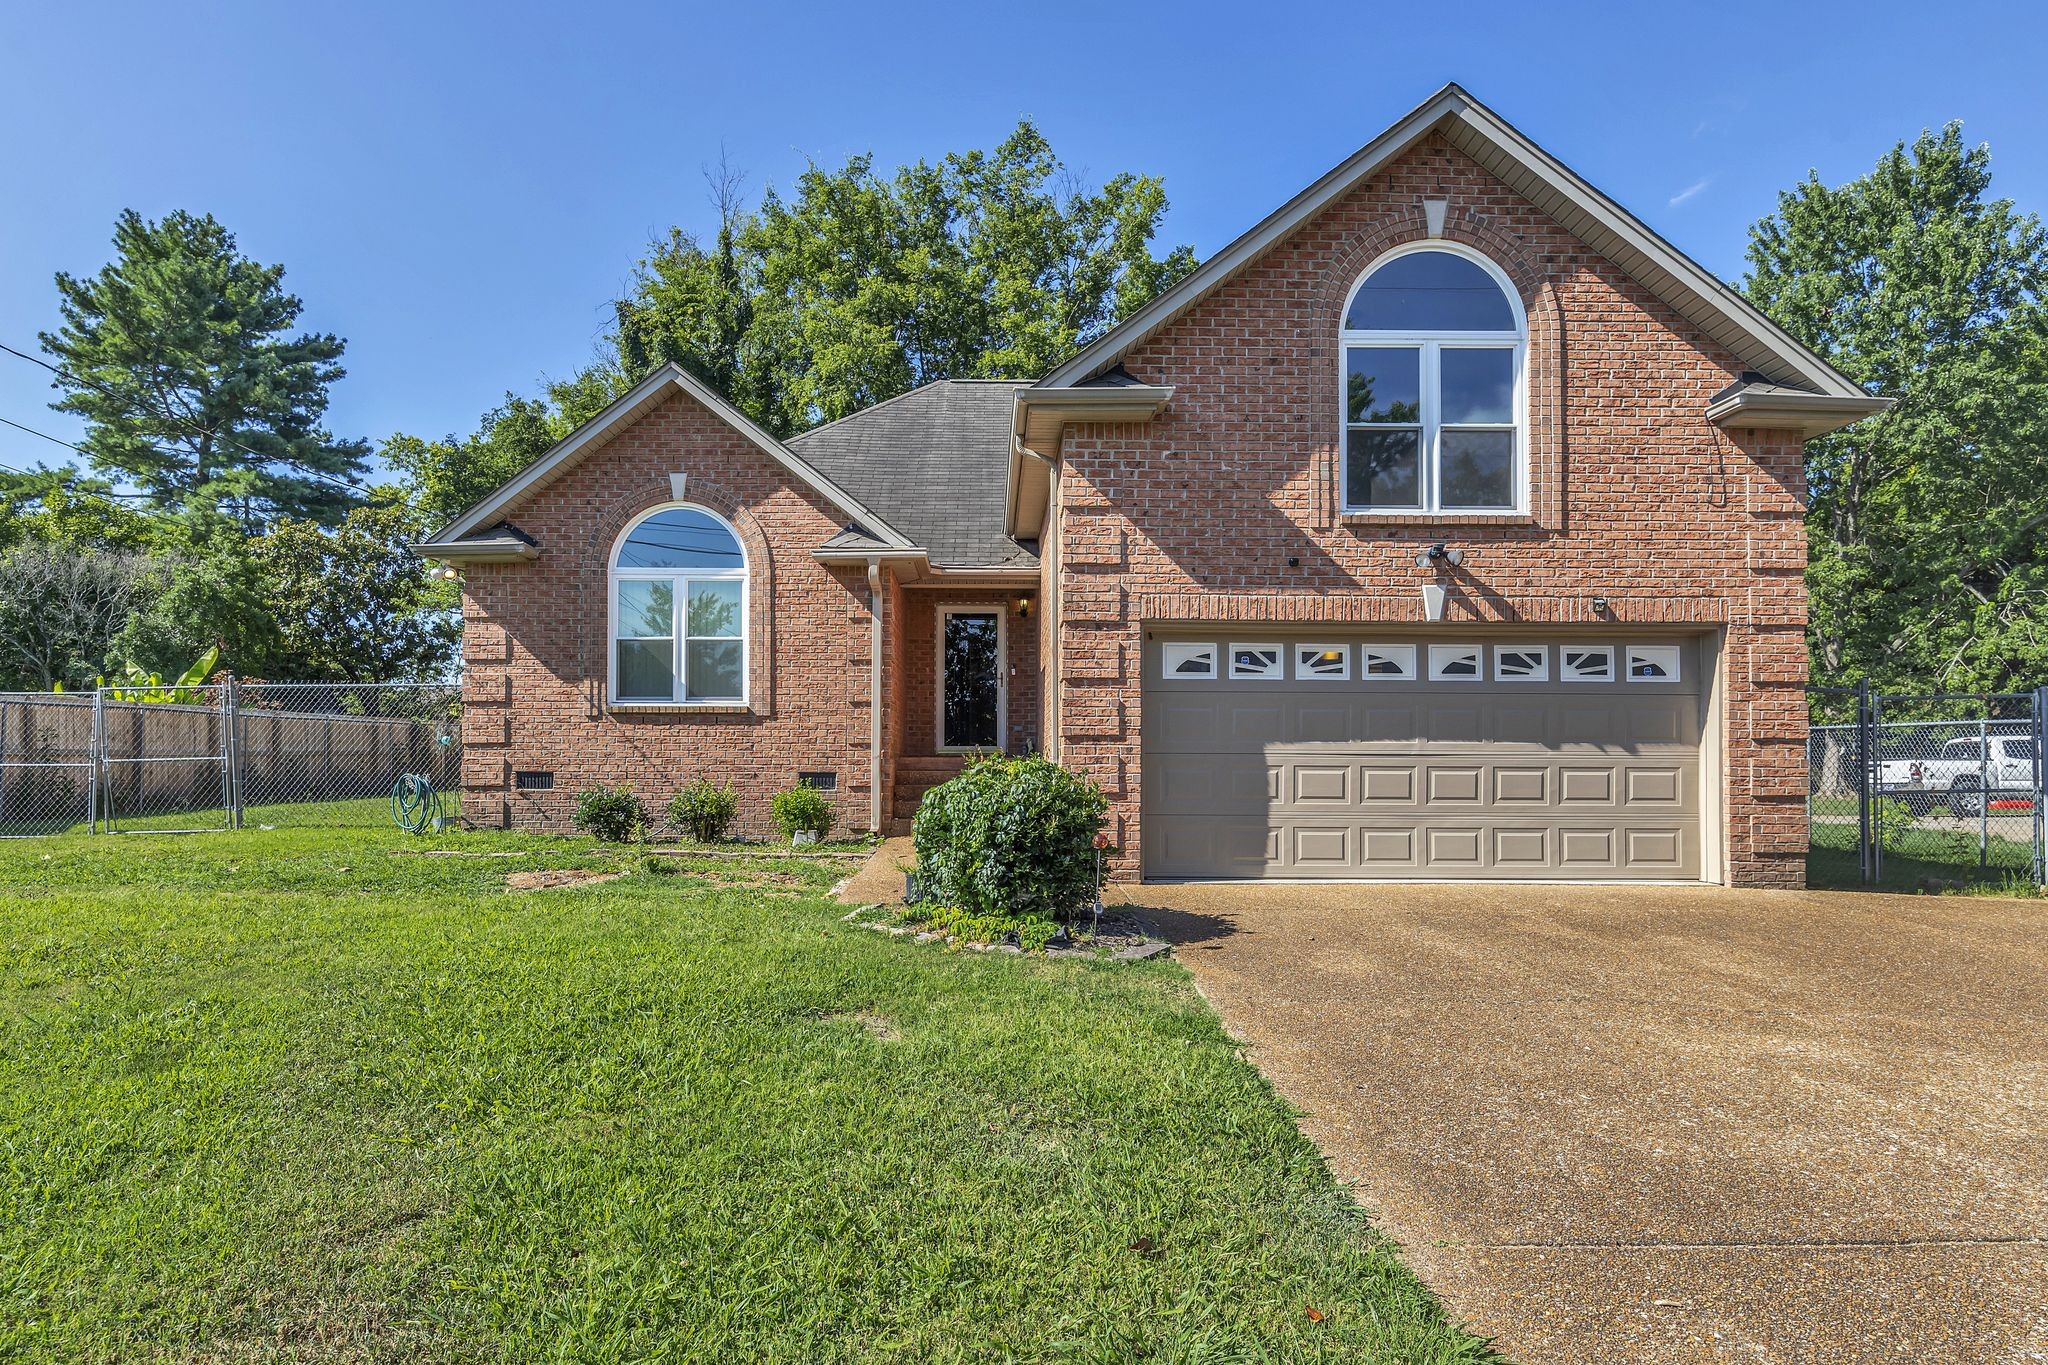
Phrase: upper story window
{"type": "Point", "coordinates": [1433, 347]}
{"type": "Point", "coordinates": [679, 609]}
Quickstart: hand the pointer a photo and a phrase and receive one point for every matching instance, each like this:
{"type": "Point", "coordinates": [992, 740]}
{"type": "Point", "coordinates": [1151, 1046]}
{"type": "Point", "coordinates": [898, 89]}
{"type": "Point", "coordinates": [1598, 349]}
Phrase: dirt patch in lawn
{"type": "Point", "coordinates": [546, 878]}
{"type": "Point", "coordinates": [874, 1024]}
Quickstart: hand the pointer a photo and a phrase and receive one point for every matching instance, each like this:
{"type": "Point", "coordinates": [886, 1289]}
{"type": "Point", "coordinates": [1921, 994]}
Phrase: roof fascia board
{"type": "Point", "coordinates": [1810, 414]}
{"type": "Point", "coordinates": [1450, 102]}
{"type": "Point", "coordinates": [1625, 225]}
{"type": "Point", "coordinates": [1257, 240]}
{"type": "Point", "coordinates": [496, 550]}
{"type": "Point", "coordinates": [1124, 403]}
{"type": "Point", "coordinates": [628, 405]}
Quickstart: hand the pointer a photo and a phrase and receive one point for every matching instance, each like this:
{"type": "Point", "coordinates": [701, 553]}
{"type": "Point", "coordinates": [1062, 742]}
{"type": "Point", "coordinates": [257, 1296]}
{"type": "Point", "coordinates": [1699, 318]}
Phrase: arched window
{"type": "Point", "coordinates": [1433, 345]}
{"type": "Point", "coordinates": [679, 609]}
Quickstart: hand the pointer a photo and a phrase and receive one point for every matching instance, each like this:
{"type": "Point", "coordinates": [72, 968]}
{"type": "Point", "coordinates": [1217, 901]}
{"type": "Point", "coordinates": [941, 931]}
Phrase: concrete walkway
{"type": "Point", "coordinates": [880, 879]}
{"type": "Point", "coordinates": [1668, 1124]}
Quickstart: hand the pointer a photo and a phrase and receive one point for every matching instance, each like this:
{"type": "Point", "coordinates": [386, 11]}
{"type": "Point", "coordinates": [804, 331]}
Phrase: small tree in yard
{"type": "Point", "coordinates": [1011, 836]}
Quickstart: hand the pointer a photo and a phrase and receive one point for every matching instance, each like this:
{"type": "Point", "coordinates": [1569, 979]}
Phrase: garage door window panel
{"type": "Point", "coordinates": [1325, 663]}
{"type": "Point", "coordinates": [1653, 663]}
{"type": "Point", "coordinates": [1255, 661]}
{"type": "Point", "coordinates": [1521, 663]}
{"type": "Point", "coordinates": [1455, 663]}
{"type": "Point", "coordinates": [1586, 663]}
{"type": "Point", "coordinates": [1387, 663]}
{"type": "Point", "coordinates": [1187, 661]}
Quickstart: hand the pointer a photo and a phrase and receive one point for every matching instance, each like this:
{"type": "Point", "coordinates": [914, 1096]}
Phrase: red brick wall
{"type": "Point", "coordinates": [1196, 515]}
{"type": "Point", "coordinates": [535, 640]}
{"type": "Point", "coordinates": [917, 654]}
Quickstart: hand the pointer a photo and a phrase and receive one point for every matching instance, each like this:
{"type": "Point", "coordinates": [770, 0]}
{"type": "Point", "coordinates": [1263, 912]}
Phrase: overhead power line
{"type": "Point", "coordinates": [191, 423]}
{"type": "Point", "coordinates": [69, 482]}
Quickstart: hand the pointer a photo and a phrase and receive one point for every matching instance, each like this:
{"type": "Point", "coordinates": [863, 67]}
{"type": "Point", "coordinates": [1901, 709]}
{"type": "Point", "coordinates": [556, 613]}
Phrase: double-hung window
{"type": "Point", "coordinates": [679, 610]}
{"type": "Point", "coordinates": [1433, 349]}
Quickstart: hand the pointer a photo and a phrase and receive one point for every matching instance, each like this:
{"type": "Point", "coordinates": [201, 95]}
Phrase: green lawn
{"type": "Point", "coordinates": [1927, 849]}
{"type": "Point", "coordinates": [294, 1095]}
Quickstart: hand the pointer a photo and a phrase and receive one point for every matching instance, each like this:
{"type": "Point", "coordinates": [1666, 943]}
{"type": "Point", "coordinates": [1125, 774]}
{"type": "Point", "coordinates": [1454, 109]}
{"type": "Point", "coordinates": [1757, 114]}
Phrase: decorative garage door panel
{"type": "Point", "coordinates": [1343, 762]}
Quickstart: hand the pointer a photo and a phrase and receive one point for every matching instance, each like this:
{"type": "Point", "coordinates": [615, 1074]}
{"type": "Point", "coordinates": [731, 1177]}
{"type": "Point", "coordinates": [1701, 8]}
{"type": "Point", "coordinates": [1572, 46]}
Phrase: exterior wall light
{"type": "Point", "coordinates": [1023, 608]}
{"type": "Point", "coordinates": [1439, 554]}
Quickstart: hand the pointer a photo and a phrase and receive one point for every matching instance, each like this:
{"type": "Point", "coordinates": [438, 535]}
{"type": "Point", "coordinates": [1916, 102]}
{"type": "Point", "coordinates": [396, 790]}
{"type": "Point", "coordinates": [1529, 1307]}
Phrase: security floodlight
{"type": "Point", "coordinates": [1437, 552]}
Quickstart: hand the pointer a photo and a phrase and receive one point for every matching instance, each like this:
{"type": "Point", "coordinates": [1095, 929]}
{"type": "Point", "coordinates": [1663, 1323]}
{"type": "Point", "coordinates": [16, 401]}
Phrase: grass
{"type": "Point", "coordinates": [1918, 851]}
{"type": "Point", "coordinates": [297, 1095]}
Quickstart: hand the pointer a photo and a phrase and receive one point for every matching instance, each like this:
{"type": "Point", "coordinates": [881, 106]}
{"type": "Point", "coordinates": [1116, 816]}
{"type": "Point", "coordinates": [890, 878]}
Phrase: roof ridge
{"type": "Point", "coordinates": [862, 412]}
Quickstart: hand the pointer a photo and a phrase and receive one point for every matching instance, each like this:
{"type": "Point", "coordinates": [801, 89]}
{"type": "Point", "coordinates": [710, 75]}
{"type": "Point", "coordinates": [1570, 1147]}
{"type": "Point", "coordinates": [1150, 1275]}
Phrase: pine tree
{"type": "Point", "coordinates": [178, 357]}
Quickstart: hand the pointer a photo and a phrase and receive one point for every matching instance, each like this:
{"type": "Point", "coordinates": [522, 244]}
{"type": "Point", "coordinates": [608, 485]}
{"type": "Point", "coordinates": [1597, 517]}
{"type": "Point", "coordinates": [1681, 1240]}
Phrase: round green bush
{"type": "Point", "coordinates": [704, 812]}
{"type": "Point", "coordinates": [613, 814]}
{"type": "Point", "coordinates": [1010, 836]}
{"type": "Point", "coordinates": [802, 807]}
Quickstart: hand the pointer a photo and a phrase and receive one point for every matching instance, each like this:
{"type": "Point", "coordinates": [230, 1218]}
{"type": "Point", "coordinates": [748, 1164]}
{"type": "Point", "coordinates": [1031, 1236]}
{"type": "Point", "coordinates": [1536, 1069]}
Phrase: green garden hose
{"type": "Point", "coordinates": [415, 805]}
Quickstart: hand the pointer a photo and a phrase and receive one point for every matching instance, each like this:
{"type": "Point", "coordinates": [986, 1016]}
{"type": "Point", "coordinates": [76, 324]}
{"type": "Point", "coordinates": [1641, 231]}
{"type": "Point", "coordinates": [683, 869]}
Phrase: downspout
{"type": "Point", "coordinates": [875, 694]}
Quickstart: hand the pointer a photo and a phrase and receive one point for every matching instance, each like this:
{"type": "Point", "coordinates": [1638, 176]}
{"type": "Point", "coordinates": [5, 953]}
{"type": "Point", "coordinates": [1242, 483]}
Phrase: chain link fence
{"type": "Point", "coordinates": [1937, 787]}
{"type": "Point", "coordinates": [221, 756]}
{"type": "Point", "coordinates": [48, 762]}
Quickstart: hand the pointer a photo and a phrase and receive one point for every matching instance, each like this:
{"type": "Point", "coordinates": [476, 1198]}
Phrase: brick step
{"type": "Point", "coordinates": [915, 777]}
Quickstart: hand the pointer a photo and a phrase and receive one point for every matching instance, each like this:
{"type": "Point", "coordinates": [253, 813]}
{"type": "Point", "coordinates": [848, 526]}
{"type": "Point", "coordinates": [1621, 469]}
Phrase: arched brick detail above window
{"type": "Point", "coordinates": [1545, 357]}
{"type": "Point", "coordinates": [594, 644]}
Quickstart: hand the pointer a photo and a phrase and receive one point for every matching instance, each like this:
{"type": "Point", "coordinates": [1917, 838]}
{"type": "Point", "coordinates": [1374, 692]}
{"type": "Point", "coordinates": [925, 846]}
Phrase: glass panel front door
{"type": "Point", "coordinates": [972, 672]}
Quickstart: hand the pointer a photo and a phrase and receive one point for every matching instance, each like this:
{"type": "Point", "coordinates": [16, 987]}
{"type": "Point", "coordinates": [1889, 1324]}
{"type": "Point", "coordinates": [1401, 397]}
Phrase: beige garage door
{"type": "Point", "coordinates": [1430, 757]}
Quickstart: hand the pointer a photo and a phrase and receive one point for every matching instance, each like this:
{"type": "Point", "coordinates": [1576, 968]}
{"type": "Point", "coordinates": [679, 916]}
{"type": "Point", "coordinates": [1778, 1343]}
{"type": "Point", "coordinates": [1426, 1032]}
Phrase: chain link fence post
{"type": "Point", "coordinates": [1866, 779]}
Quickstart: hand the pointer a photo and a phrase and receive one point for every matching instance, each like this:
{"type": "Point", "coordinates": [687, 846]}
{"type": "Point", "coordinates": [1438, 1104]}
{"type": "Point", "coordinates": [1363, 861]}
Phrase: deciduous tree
{"type": "Point", "coordinates": [1926, 525]}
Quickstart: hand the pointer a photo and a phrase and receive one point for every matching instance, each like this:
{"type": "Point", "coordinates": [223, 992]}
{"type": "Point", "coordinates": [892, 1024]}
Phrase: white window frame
{"type": "Point", "coordinates": [1430, 345]}
{"type": "Point", "coordinates": [1671, 655]}
{"type": "Point", "coordinates": [680, 579]}
{"type": "Point", "coordinates": [1279, 662]}
{"type": "Point", "coordinates": [1175, 652]}
{"type": "Point", "coordinates": [1002, 744]}
{"type": "Point", "coordinates": [1343, 673]}
{"type": "Point", "coordinates": [1566, 673]}
{"type": "Point", "coordinates": [1441, 655]}
{"type": "Point", "coordinates": [1542, 673]}
{"type": "Point", "coordinates": [1407, 673]}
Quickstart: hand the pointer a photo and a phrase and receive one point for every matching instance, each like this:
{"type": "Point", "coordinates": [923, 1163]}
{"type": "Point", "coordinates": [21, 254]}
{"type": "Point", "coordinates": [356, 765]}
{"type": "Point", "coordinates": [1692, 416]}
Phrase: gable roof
{"type": "Point", "coordinates": [935, 461]}
{"type": "Point", "coordinates": [462, 533]}
{"type": "Point", "coordinates": [1502, 150]}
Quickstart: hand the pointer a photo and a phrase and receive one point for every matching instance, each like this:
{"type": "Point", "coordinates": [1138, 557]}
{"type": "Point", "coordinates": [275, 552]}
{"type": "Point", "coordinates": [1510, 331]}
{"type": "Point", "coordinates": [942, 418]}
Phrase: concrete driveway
{"type": "Point", "coordinates": [1667, 1124]}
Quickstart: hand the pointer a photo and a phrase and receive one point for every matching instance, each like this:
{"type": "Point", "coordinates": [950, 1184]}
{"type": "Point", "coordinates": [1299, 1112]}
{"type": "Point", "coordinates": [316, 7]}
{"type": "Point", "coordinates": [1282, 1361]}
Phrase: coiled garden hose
{"type": "Point", "coordinates": [415, 805]}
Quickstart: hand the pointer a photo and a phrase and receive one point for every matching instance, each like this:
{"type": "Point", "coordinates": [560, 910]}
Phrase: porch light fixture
{"type": "Point", "coordinates": [1023, 608]}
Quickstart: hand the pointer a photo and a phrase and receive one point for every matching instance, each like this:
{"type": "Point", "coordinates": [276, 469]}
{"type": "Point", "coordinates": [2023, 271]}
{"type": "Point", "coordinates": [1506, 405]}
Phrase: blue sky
{"type": "Point", "coordinates": [458, 189]}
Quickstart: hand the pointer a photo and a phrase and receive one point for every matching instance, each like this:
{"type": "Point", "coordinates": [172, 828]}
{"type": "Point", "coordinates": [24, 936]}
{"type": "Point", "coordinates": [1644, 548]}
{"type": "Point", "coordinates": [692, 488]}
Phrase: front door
{"type": "Point", "coordinates": [971, 678]}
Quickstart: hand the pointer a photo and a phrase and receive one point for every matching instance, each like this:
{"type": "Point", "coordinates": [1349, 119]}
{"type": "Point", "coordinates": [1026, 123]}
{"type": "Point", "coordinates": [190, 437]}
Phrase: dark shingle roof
{"type": "Point", "coordinates": [935, 462]}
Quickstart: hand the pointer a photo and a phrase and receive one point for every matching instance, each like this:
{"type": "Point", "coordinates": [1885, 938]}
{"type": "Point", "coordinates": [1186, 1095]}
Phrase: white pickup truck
{"type": "Point", "coordinates": [1959, 773]}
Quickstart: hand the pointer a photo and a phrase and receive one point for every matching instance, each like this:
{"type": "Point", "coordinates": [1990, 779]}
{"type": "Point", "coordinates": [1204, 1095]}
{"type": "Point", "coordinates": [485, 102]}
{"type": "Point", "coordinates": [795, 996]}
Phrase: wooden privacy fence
{"type": "Point", "coordinates": [220, 756]}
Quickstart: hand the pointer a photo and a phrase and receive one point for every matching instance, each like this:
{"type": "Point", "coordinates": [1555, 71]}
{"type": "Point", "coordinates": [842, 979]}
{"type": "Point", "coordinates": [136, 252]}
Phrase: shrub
{"type": "Point", "coordinates": [613, 814]}
{"type": "Point", "coordinates": [1010, 836]}
{"type": "Point", "coordinates": [802, 807]}
{"type": "Point", "coordinates": [703, 812]}
{"type": "Point", "coordinates": [1892, 820]}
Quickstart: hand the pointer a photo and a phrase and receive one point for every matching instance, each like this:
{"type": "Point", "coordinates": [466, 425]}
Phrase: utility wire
{"type": "Point", "coordinates": [307, 470]}
{"type": "Point", "coordinates": [70, 481]}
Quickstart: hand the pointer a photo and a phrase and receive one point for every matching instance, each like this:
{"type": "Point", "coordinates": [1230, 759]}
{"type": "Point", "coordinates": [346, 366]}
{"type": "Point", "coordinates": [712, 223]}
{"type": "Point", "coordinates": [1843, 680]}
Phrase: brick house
{"type": "Point", "coordinates": [1446, 524]}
